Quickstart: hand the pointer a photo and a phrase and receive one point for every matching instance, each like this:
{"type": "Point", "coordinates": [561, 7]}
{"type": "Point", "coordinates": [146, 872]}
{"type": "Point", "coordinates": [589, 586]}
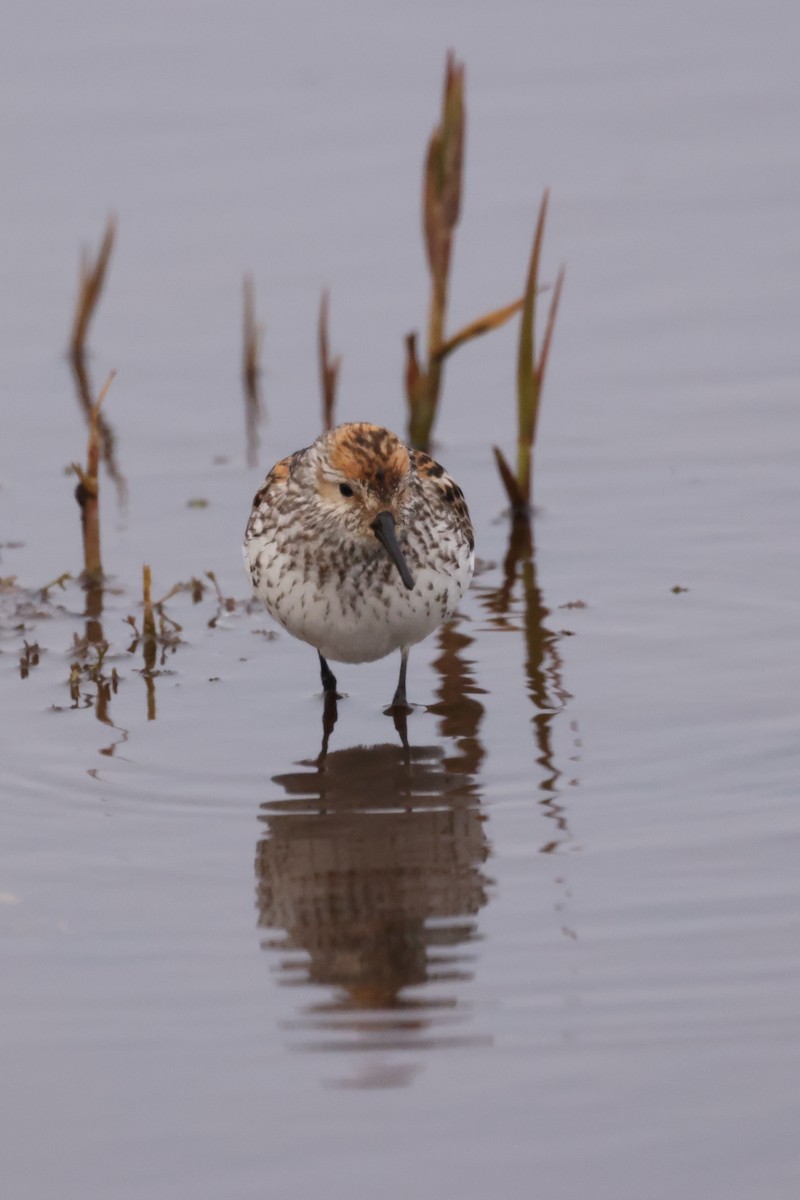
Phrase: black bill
{"type": "Point", "coordinates": [383, 528]}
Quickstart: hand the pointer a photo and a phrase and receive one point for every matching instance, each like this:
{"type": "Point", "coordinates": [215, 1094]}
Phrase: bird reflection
{"type": "Point", "coordinates": [372, 868]}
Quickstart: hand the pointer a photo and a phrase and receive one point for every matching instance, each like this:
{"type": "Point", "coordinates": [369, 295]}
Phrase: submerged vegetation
{"type": "Point", "coordinates": [91, 681]}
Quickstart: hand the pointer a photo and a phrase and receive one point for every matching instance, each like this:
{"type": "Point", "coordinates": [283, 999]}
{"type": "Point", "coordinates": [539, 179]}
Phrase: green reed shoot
{"type": "Point", "coordinates": [531, 368]}
{"type": "Point", "coordinates": [441, 208]}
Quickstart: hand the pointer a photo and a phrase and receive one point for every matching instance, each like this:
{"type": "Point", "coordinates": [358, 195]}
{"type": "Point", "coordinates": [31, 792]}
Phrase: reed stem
{"type": "Point", "coordinates": [531, 368]}
{"type": "Point", "coordinates": [87, 493]}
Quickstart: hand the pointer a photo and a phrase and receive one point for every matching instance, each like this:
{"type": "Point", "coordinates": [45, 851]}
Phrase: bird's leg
{"type": "Point", "coordinates": [328, 677]}
{"type": "Point", "coordinates": [399, 703]}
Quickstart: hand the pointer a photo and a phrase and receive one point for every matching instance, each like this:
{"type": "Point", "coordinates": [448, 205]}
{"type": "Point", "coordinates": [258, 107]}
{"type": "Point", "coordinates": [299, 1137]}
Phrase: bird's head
{"type": "Point", "coordinates": [362, 482]}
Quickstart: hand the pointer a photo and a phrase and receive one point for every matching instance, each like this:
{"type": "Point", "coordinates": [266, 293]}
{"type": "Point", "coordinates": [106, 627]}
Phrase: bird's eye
{"type": "Point", "coordinates": [345, 489]}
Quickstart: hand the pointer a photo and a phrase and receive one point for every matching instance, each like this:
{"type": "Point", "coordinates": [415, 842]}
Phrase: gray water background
{"type": "Point", "coordinates": [591, 865]}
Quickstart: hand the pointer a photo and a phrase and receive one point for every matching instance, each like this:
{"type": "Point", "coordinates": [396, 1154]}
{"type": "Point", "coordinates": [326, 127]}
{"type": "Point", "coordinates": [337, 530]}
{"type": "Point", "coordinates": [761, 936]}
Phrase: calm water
{"type": "Point", "coordinates": [553, 946]}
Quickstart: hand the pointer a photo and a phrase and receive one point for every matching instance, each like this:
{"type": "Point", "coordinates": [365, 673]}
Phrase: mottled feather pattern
{"type": "Point", "coordinates": [436, 476]}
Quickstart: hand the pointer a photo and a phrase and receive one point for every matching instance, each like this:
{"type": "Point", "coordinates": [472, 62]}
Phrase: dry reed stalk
{"type": "Point", "coordinates": [492, 320]}
{"type": "Point", "coordinates": [531, 368]}
{"type": "Point", "coordinates": [149, 636]}
{"type": "Point", "coordinates": [87, 493]}
{"type": "Point", "coordinates": [90, 285]}
{"type": "Point", "coordinates": [441, 208]}
{"type": "Point", "coordinates": [252, 340]}
{"type": "Point", "coordinates": [328, 367]}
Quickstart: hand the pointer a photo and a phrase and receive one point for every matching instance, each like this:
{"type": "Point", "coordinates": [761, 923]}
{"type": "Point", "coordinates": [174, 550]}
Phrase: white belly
{"type": "Point", "coordinates": [348, 621]}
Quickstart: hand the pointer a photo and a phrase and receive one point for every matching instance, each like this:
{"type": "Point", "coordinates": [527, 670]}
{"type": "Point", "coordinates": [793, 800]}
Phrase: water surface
{"type": "Point", "coordinates": [551, 943]}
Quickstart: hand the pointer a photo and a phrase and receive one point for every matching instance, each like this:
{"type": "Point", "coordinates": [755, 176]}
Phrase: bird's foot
{"type": "Point", "coordinates": [328, 680]}
{"type": "Point", "coordinates": [400, 719]}
{"type": "Point", "coordinates": [399, 705]}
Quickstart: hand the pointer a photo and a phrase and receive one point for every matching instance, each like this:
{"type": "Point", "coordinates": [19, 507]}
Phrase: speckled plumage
{"type": "Point", "coordinates": [315, 557]}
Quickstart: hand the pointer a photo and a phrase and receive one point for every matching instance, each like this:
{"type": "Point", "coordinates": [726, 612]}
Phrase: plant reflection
{"type": "Point", "coordinates": [372, 866]}
{"type": "Point", "coordinates": [543, 665]}
{"type": "Point", "coordinates": [89, 668]}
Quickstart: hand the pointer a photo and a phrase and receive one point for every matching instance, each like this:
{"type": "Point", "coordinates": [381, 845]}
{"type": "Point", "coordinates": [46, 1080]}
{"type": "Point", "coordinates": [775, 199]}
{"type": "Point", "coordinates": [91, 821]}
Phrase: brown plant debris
{"type": "Point", "coordinates": [252, 341]}
{"type": "Point", "coordinates": [90, 285]}
{"type": "Point", "coordinates": [328, 367]}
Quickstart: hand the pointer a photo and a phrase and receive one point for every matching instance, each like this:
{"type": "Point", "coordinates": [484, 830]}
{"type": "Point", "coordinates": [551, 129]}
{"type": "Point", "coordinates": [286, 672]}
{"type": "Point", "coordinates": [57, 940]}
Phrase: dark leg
{"type": "Point", "coordinates": [399, 701]}
{"type": "Point", "coordinates": [328, 677]}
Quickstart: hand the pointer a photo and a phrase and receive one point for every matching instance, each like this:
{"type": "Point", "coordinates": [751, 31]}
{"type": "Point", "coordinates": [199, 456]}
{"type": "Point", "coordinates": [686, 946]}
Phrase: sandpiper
{"type": "Point", "coordinates": [360, 546]}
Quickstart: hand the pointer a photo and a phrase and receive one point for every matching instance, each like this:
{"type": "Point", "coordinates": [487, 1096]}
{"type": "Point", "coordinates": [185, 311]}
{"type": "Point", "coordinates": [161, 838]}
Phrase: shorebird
{"type": "Point", "coordinates": [359, 546]}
